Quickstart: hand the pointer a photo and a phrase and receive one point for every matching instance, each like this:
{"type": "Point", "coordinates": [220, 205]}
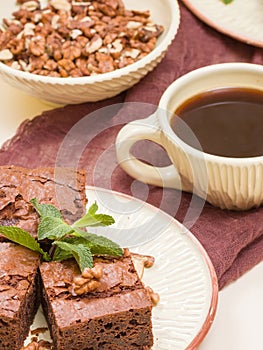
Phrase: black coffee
{"type": "Point", "coordinates": [226, 122]}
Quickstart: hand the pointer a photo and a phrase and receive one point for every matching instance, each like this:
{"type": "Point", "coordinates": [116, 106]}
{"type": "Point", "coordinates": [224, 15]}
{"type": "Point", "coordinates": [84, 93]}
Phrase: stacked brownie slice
{"type": "Point", "coordinates": [18, 294]}
{"type": "Point", "coordinates": [115, 315]}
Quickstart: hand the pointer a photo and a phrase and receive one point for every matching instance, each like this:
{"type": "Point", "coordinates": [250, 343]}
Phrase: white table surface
{"type": "Point", "coordinates": [238, 323]}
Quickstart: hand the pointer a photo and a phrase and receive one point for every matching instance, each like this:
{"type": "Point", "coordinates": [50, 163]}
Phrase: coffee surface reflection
{"type": "Point", "coordinates": [225, 122]}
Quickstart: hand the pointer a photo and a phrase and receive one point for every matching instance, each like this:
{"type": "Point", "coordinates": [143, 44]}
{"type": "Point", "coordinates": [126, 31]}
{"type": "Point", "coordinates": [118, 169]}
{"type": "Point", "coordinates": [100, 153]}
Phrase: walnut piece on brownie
{"type": "Point", "coordinates": [18, 294]}
{"type": "Point", "coordinates": [64, 188]}
{"type": "Point", "coordinates": [115, 315]}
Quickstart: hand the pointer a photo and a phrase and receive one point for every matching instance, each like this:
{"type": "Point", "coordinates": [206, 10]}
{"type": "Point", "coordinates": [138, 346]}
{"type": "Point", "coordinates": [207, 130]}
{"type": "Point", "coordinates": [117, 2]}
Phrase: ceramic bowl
{"type": "Point", "coordinates": [101, 86]}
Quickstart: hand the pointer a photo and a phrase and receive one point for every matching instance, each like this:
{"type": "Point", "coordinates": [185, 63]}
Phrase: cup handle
{"type": "Point", "coordinates": [144, 129]}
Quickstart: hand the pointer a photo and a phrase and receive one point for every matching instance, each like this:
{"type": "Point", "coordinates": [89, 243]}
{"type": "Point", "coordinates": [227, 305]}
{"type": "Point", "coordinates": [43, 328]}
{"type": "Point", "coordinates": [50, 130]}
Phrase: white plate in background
{"type": "Point", "coordinates": [241, 19]}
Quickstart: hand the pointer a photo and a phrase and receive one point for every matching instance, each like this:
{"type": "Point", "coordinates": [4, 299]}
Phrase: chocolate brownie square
{"type": "Point", "coordinates": [64, 188]}
{"type": "Point", "coordinates": [18, 294]}
{"type": "Point", "coordinates": [116, 315]}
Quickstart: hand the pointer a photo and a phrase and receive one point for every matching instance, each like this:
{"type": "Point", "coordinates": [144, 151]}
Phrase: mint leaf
{"type": "Point", "coordinates": [61, 254]}
{"type": "Point", "coordinates": [17, 235]}
{"type": "Point", "coordinates": [99, 245]}
{"type": "Point", "coordinates": [53, 228]}
{"type": "Point", "coordinates": [93, 208]}
{"type": "Point", "coordinates": [93, 219]}
{"type": "Point", "coordinates": [69, 241]}
{"type": "Point", "coordinates": [227, 1]}
{"type": "Point", "coordinates": [45, 209]}
{"type": "Point", "coordinates": [81, 253]}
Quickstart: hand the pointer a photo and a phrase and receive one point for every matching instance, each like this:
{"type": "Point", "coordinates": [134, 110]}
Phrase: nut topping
{"type": "Point", "coordinates": [30, 5]}
{"type": "Point", "coordinates": [63, 5]}
{"type": "Point", "coordinates": [155, 297]}
{"type": "Point", "coordinates": [94, 45]}
{"type": "Point", "coordinates": [38, 345]}
{"type": "Point", "coordinates": [88, 281]}
{"type": "Point", "coordinates": [5, 55]}
{"type": "Point", "coordinates": [147, 260]}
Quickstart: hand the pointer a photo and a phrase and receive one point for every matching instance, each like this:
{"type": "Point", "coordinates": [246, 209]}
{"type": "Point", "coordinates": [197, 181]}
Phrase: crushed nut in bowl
{"type": "Point", "coordinates": [73, 51]}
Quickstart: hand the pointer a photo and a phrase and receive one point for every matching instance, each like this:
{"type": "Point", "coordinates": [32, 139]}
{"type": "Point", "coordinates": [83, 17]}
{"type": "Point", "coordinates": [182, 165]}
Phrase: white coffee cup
{"type": "Point", "coordinates": [225, 182]}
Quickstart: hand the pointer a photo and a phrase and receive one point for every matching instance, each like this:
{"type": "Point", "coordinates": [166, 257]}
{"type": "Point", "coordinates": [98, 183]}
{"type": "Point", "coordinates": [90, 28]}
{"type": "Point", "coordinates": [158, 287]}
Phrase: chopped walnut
{"type": "Point", "coordinates": [82, 65]}
{"type": "Point", "coordinates": [106, 63]}
{"type": "Point", "coordinates": [88, 281]}
{"type": "Point", "coordinates": [94, 45]}
{"type": "Point", "coordinates": [146, 260]}
{"type": "Point", "coordinates": [50, 65]}
{"type": "Point", "coordinates": [71, 50]}
{"type": "Point", "coordinates": [96, 36]}
{"type": "Point", "coordinates": [37, 62]}
{"type": "Point", "coordinates": [38, 345]}
{"type": "Point", "coordinates": [30, 5]}
{"type": "Point", "coordinates": [142, 261]}
{"type": "Point", "coordinates": [155, 297]}
{"type": "Point", "coordinates": [37, 46]}
{"type": "Point", "coordinates": [76, 72]}
{"type": "Point", "coordinates": [31, 346]}
{"type": "Point", "coordinates": [6, 55]}
{"type": "Point", "coordinates": [16, 46]}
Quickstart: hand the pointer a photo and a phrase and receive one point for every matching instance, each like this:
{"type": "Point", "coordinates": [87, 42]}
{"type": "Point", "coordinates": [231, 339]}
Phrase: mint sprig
{"type": "Point", "coordinates": [227, 1]}
{"type": "Point", "coordinates": [67, 241]}
{"type": "Point", "coordinates": [22, 237]}
{"type": "Point", "coordinates": [94, 219]}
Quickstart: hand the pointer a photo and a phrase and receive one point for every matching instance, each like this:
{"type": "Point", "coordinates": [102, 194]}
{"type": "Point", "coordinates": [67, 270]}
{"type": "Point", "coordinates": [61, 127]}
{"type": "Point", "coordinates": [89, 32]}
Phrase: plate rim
{"type": "Point", "coordinates": [205, 327]}
{"type": "Point", "coordinates": [212, 23]}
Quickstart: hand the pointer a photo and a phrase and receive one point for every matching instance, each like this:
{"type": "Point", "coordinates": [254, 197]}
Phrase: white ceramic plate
{"type": "Point", "coordinates": [182, 275]}
{"type": "Point", "coordinates": [241, 19]}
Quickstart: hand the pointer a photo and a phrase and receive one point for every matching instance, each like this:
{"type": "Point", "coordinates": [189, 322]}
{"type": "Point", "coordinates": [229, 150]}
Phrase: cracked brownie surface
{"type": "Point", "coordinates": [64, 188]}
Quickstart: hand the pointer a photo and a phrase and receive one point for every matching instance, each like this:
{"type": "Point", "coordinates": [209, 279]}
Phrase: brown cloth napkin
{"type": "Point", "coordinates": [233, 240]}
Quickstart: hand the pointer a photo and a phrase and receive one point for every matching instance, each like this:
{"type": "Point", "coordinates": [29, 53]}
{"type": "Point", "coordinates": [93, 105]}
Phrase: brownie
{"type": "Point", "coordinates": [18, 294]}
{"type": "Point", "coordinates": [117, 315]}
{"type": "Point", "coordinates": [64, 188]}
